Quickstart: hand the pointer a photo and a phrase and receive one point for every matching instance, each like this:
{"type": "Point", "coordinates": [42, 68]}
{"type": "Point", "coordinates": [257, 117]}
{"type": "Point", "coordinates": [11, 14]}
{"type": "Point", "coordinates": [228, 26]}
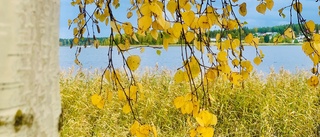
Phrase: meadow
{"type": "Point", "coordinates": [274, 104]}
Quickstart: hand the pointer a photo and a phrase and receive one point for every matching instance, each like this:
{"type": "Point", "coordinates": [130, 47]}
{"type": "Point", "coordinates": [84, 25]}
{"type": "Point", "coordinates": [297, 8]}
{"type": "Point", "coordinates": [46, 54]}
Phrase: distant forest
{"type": "Point", "coordinates": [148, 40]}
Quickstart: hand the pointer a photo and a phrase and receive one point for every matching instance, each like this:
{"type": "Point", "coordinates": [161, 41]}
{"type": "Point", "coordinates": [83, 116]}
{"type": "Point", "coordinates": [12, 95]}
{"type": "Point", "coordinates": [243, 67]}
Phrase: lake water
{"type": "Point", "coordinates": [289, 58]}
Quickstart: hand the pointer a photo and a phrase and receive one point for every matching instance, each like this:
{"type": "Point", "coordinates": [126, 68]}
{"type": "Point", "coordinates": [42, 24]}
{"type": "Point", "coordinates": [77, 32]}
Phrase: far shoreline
{"type": "Point", "coordinates": [176, 45]}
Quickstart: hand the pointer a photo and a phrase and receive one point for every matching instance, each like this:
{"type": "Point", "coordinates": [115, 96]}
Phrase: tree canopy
{"type": "Point", "coordinates": [189, 23]}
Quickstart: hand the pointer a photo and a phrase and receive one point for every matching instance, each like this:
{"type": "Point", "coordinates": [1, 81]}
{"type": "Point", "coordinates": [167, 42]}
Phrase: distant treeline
{"type": "Point", "coordinates": [148, 40]}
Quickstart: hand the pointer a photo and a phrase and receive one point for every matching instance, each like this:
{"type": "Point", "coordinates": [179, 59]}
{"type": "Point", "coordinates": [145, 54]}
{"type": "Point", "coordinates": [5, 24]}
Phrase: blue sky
{"type": "Point", "coordinates": [254, 19]}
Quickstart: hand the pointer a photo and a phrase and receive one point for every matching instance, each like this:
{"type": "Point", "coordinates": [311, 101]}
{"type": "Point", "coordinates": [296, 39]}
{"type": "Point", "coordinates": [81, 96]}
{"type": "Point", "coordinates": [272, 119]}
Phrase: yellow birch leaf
{"type": "Point", "coordinates": [133, 62]}
{"type": "Point", "coordinates": [226, 44]}
{"type": "Point", "coordinates": [205, 118]}
{"type": "Point", "coordinates": [244, 74]}
{"type": "Point", "coordinates": [121, 95]}
{"type": "Point", "coordinates": [127, 27]}
{"type": "Point", "coordinates": [193, 66]}
{"type": "Point", "coordinates": [222, 56]}
{"type": "Point", "coordinates": [158, 52]}
{"type": "Point", "coordinates": [179, 102]}
{"type": "Point", "coordinates": [154, 34]}
{"type": "Point", "coordinates": [211, 74]}
{"type": "Point", "coordinates": [142, 50]}
{"type": "Point", "coordinates": [194, 24]}
{"type": "Point", "coordinates": [188, 6]}
{"type": "Point", "coordinates": [261, 8]}
{"type": "Point", "coordinates": [315, 59]}
{"type": "Point", "coordinates": [203, 22]}
{"type": "Point", "coordinates": [199, 45]}
{"type": "Point", "coordinates": [188, 17]}
{"type": "Point", "coordinates": [297, 7]}
{"type": "Point", "coordinates": [193, 133]}
{"type": "Point", "coordinates": [310, 25]}
{"type": "Point", "coordinates": [281, 13]}
{"type": "Point", "coordinates": [69, 22]}
{"type": "Point", "coordinates": [307, 49]}
{"type": "Point", "coordinates": [187, 108]}
{"type": "Point", "coordinates": [154, 7]}
{"type": "Point", "coordinates": [218, 37]}
{"type": "Point", "coordinates": [235, 62]}
{"type": "Point", "coordinates": [196, 108]}
{"type": "Point", "coordinates": [107, 75]}
{"type": "Point", "coordinates": [126, 109]}
{"type": "Point", "coordinates": [269, 4]}
{"type": "Point", "coordinates": [313, 81]}
{"type": "Point", "coordinates": [134, 37]}
{"type": "Point", "coordinates": [122, 47]}
{"type": "Point", "coordinates": [247, 65]}
{"type": "Point", "coordinates": [189, 36]}
{"type": "Point", "coordinates": [198, 6]}
{"type": "Point", "coordinates": [156, 25]}
{"type": "Point", "coordinates": [289, 33]}
{"type": "Point", "coordinates": [144, 22]}
{"type": "Point", "coordinates": [248, 39]}
{"type": "Point", "coordinates": [235, 44]}
{"type": "Point", "coordinates": [145, 10]}
{"type": "Point", "coordinates": [107, 21]}
{"type": "Point", "coordinates": [225, 69]}
{"type": "Point", "coordinates": [232, 24]}
{"type": "Point", "coordinates": [205, 131]}
{"type": "Point", "coordinates": [243, 9]}
{"type": "Point", "coordinates": [162, 23]}
{"type": "Point", "coordinates": [100, 104]}
{"type": "Point", "coordinates": [257, 61]}
{"type": "Point", "coordinates": [132, 92]}
{"type": "Point", "coordinates": [76, 41]}
{"type": "Point", "coordinates": [109, 95]}
{"type": "Point", "coordinates": [172, 6]}
{"type": "Point", "coordinates": [234, 1]}
{"type": "Point", "coordinates": [129, 14]}
{"type": "Point", "coordinates": [210, 57]}
{"type": "Point", "coordinates": [134, 128]}
{"type": "Point", "coordinates": [115, 27]}
{"type": "Point", "coordinates": [229, 8]}
{"type": "Point", "coordinates": [177, 28]}
{"type": "Point", "coordinates": [179, 76]}
{"type": "Point", "coordinates": [255, 42]}
{"type": "Point", "coordinates": [182, 3]}
{"type": "Point", "coordinates": [96, 43]}
{"type": "Point", "coordinates": [95, 99]}
{"type": "Point", "coordinates": [165, 43]}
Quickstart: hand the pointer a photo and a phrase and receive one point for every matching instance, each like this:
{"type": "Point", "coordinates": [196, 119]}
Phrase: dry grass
{"type": "Point", "coordinates": [273, 105]}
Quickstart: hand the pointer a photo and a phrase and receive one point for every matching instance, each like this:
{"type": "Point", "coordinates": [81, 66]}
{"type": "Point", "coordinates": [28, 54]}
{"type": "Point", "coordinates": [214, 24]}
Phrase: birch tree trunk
{"type": "Point", "coordinates": [29, 66]}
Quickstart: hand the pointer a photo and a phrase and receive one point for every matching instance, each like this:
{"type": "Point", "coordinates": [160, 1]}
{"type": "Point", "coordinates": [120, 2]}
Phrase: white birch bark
{"type": "Point", "coordinates": [29, 67]}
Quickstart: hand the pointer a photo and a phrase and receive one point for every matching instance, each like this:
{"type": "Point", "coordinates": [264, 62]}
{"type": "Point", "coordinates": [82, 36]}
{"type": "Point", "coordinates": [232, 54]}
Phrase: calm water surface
{"type": "Point", "coordinates": [290, 58]}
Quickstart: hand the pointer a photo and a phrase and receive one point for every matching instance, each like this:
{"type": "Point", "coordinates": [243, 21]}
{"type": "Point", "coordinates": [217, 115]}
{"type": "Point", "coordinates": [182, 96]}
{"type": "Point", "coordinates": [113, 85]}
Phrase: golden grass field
{"type": "Point", "coordinates": [275, 104]}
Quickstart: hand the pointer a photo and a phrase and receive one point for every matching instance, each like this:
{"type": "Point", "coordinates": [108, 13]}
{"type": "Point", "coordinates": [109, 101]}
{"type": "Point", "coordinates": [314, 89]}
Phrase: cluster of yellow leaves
{"type": "Point", "coordinates": [206, 120]}
{"type": "Point", "coordinates": [312, 49]}
{"type": "Point", "coordinates": [97, 101]}
{"type": "Point", "coordinates": [251, 40]}
{"type": "Point", "coordinates": [192, 70]}
{"type": "Point", "coordinates": [262, 7]}
{"type": "Point", "coordinates": [129, 94]}
{"type": "Point", "coordinates": [188, 104]}
{"type": "Point", "coordinates": [313, 81]}
{"type": "Point", "coordinates": [139, 130]}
